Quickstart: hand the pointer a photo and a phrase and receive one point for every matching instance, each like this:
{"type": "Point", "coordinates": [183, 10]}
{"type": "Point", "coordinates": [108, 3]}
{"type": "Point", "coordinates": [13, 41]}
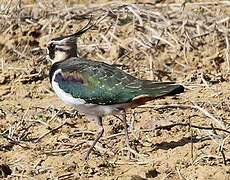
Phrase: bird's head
{"type": "Point", "coordinates": [64, 47]}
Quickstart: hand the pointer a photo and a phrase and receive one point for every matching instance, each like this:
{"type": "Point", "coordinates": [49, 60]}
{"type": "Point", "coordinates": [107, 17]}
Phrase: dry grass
{"type": "Point", "coordinates": [184, 42]}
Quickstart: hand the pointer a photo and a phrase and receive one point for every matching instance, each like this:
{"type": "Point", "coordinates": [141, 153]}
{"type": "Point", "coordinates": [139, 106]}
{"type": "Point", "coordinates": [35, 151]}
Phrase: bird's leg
{"type": "Point", "coordinates": [127, 136]}
{"type": "Point", "coordinates": [125, 128]}
{"type": "Point", "coordinates": [100, 132]}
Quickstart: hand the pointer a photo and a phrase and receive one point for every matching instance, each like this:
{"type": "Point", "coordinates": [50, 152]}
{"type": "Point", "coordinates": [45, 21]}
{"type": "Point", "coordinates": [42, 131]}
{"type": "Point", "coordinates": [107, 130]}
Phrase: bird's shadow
{"type": "Point", "coordinates": [181, 142]}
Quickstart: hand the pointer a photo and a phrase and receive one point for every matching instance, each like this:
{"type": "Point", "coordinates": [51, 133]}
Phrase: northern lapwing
{"type": "Point", "coordinates": [97, 88]}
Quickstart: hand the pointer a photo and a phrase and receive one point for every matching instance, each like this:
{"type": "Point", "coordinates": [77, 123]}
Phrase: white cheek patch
{"type": "Point", "coordinates": [66, 97]}
{"type": "Point", "coordinates": [59, 56]}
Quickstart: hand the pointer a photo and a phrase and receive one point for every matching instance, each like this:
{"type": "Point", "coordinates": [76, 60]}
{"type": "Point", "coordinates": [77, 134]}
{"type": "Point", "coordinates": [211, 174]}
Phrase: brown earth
{"type": "Point", "coordinates": [187, 137]}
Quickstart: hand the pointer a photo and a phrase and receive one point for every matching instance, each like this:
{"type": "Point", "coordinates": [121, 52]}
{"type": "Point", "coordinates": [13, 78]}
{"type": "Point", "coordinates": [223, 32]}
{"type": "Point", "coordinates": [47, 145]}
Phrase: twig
{"type": "Point", "coordinates": [136, 14]}
{"type": "Point", "coordinates": [206, 113]}
{"type": "Point", "coordinates": [58, 151]}
{"type": "Point", "coordinates": [179, 174]}
{"type": "Point", "coordinates": [204, 81]}
{"type": "Point", "coordinates": [21, 54]}
{"type": "Point", "coordinates": [82, 132]}
{"type": "Point", "coordinates": [168, 127]}
{"type": "Point", "coordinates": [191, 134]}
{"type": "Point", "coordinates": [222, 153]}
{"type": "Point", "coordinates": [67, 175]}
{"type": "Point", "coordinates": [52, 130]}
{"type": "Point", "coordinates": [211, 156]}
{"type": "Point", "coordinates": [100, 148]}
{"type": "Point", "coordinates": [227, 51]}
{"type": "Point", "coordinates": [220, 123]}
{"type": "Point", "coordinates": [2, 65]}
{"type": "Point", "coordinates": [130, 163]}
{"type": "Point", "coordinates": [64, 150]}
{"type": "Point", "coordinates": [22, 176]}
{"type": "Point", "coordinates": [193, 126]}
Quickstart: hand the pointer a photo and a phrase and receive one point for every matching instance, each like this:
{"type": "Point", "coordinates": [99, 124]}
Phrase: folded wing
{"type": "Point", "coordinates": [100, 83]}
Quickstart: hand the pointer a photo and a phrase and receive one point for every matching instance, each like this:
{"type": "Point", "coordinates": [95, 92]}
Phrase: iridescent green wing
{"type": "Point", "coordinates": [100, 83]}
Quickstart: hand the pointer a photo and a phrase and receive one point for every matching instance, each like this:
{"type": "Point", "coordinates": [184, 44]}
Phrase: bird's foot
{"type": "Point", "coordinates": [85, 156]}
{"type": "Point", "coordinates": [134, 152]}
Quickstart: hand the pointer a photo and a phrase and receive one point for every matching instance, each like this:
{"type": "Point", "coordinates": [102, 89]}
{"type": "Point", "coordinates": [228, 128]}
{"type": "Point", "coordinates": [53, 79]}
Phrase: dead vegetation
{"type": "Point", "coordinates": [184, 137]}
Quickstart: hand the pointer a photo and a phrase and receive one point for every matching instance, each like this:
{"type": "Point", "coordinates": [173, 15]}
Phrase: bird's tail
{"type": "Point", "coordinates": [158, 89]}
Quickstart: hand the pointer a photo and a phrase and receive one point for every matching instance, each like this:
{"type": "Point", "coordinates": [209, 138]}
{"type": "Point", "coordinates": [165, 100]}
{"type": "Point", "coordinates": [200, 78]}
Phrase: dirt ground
{"type": "Point", "coordinates": [181, 137]}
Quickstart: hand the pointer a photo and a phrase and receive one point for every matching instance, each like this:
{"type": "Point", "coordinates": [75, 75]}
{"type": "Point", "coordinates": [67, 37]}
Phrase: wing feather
{"type": "Point", "coordinates": [101, 83]}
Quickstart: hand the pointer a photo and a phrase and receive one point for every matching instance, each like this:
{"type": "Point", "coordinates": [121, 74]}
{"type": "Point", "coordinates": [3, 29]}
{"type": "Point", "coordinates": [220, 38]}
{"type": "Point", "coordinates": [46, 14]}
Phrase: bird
{"type": "Point", "coordinates": [96, 88]}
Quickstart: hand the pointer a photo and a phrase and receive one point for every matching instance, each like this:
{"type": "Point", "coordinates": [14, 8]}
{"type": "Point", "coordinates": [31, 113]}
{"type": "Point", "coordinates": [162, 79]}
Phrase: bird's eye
{"type": "Point", "coordinates": [51, 50]}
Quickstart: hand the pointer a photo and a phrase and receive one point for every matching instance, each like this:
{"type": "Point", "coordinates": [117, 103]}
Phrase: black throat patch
{"type": "Point", "coordinates": [52, 70]}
